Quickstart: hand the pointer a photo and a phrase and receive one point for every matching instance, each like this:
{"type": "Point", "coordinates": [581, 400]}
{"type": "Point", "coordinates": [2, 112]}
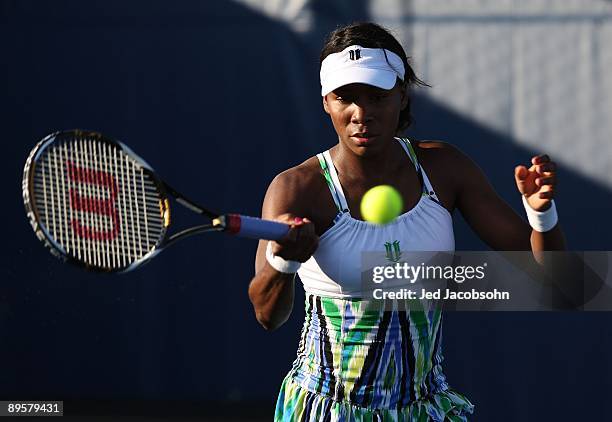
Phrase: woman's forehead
{"type": "Point", "coordinates": [359, 88]}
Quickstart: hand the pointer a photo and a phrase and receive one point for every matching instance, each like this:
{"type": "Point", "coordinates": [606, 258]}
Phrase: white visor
{"type": "Point", "coordinates": [355, 64]}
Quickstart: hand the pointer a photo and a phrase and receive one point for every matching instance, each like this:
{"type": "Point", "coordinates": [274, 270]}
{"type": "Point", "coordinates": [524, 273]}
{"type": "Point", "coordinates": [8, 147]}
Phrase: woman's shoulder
{"type": "Point", "coordinates": [440, 154]}
{"type": "Point", "coordinates": [300, 178]}
{"type": "Point", "coordinates": [299, 186]}
{"type": "Point", "coordinates": [302, 191]}
{"type": "Point", "coordinates": [446, 166]}
{"type": "Point", "coordinates": [441, 147]}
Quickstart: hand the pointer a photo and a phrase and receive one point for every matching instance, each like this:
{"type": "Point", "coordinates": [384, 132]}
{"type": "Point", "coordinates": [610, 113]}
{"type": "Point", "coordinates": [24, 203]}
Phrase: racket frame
{"type": "Point", "coordinates": [226, 222]}
{"type": "Point", "coordinates": [42, 232]}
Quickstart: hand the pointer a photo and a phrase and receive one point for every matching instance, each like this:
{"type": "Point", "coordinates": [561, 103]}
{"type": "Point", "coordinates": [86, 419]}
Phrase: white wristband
{"type": "Point", "coordinates": [541, 221]}
{"type": "Point", "coordinates": [280, 264]}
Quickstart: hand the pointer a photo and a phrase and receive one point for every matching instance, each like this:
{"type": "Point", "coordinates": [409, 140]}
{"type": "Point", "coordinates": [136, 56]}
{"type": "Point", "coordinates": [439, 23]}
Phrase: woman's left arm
{"type": "Point", "coordinates": [494, 220]}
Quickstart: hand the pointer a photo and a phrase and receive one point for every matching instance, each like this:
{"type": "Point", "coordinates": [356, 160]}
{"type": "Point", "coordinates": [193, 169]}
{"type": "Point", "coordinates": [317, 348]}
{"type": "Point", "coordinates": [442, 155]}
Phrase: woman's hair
{"type": "Point", "coordinates": [371, 35]}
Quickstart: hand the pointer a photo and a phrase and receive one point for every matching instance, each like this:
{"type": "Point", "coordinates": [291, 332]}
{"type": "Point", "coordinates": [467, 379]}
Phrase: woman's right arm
{"type": "Point", "coordinates": [271, 292]}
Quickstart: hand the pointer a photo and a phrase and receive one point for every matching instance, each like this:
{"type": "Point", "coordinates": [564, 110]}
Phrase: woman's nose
{"type": "Point", "coordinates": [361, 113]}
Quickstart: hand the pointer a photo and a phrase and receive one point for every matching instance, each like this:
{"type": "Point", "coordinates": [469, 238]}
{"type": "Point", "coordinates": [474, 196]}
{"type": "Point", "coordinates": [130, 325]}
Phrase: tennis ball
{"type": "Point", "coordinates": [381, 204]}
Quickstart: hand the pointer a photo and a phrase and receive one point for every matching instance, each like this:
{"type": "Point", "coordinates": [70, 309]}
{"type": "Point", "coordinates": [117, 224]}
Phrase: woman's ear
{"type": "Point", "coordinates": [325, 105]}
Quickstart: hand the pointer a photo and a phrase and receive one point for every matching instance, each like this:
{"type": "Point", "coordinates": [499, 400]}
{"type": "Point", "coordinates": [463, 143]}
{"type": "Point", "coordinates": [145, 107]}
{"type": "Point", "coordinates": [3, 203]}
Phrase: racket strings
{"type": "Point", "coordinates": [97, 203]}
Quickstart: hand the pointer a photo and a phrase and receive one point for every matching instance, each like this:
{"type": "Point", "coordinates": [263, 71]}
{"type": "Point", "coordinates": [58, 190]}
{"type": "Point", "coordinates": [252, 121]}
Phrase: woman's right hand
{"type": "Point", "coordinates": [299, 243]}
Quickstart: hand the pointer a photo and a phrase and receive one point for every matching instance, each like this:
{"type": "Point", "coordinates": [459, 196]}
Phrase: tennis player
{"type": "Point", "coordinates": [356, 361]}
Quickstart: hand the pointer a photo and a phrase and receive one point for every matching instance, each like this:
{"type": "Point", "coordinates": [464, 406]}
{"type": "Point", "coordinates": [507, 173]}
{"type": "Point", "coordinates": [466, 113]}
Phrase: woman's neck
{"type": "Point", "coordinates": [375, 166]}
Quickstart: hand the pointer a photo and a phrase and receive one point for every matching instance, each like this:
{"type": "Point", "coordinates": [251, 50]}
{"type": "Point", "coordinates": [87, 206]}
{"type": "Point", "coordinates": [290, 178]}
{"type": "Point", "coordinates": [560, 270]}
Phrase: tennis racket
{"type": "Point", "coordinates": [93, 202]}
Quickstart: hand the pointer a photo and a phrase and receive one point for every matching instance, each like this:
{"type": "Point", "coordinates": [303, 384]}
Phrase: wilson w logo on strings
{"type": "Point", "coordinates": [104, 186]}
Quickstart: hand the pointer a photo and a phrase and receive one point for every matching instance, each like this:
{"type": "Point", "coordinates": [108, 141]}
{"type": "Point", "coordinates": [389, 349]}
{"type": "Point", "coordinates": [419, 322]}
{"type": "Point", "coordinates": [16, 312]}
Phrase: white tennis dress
{"type": "Point", "coordinates": [358, 360]}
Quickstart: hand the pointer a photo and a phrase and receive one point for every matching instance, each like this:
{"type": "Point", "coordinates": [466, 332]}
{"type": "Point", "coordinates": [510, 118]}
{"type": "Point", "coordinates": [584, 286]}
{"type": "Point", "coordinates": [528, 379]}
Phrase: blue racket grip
{"type": "Point", "coordinates": [255, 228]}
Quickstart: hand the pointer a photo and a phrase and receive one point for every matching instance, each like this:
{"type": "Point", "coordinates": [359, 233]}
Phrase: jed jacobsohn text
{"type": "Point", "coordinates": [412, 273]}
{"type": "Point", "coordinates": [440, 294]}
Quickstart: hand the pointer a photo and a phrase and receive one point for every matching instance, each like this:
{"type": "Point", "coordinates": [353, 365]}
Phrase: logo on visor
{"type": "Point", "coordinates": [355, 54]}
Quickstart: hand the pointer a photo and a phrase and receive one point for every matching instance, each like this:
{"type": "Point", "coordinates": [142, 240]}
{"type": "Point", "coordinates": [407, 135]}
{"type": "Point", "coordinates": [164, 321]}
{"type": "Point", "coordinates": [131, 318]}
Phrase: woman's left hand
{"type": "Point", "coordinates": [537, 183]}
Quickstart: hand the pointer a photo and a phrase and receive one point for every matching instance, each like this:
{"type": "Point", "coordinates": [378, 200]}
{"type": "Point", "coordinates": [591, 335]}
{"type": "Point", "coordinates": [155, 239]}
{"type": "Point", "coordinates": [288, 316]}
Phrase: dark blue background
{"type": "Point", "coordinates": [219, 99]}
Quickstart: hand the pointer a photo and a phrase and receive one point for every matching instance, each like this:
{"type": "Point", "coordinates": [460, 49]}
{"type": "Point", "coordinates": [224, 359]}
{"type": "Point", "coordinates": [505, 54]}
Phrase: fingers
{"type": "Point", "coordinates": [307, 226]}
{"type": "Point", "coordinates": [521, 176]}
{"type": "Point", "coordinates": [546, 172]}
{"type": "Point", "coordinates": [521, 172]}
{"type": "Point", "coordinates": [546, 183]}
{"type": "Point", "coordinates": [539, 180]}
{"type": "Point", "coordinates": [547, 180]}
{"type": "Point", "coordinates": [307, 232]}
{"type": "Point", "coordinates": [543, 165]}
{"type": "Point", "coordinates": [540, 159]}
{"type": "Point", "coordinates": [545, 168]}
{"type": "Point", "coordinates": [300, 242]}
{"type": "Point", "coordinates": [546, 195]}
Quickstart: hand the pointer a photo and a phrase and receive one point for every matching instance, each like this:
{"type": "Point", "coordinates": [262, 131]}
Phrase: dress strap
{"type": "Point", "coordinates": [425, 183]}
{"type": "Point", "coordinates": [333, 183]}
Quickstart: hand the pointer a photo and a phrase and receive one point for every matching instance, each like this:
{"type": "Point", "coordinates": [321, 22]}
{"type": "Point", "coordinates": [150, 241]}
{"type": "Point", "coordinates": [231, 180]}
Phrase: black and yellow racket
{"type": "Point", "coordinates": [93, 202]}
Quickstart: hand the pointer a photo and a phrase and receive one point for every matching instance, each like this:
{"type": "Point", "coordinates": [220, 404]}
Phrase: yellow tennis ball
{"type": "Point", "coordinates": [381, 204]}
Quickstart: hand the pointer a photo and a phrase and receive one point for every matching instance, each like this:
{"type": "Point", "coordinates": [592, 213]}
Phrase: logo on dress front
{"type": "Point", "coordinates": [393, 251]}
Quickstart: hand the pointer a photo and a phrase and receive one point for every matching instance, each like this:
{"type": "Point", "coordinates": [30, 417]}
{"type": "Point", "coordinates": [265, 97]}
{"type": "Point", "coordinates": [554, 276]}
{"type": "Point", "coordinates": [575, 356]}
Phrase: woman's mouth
{"type": "Point", "coordinates": [362, 138]}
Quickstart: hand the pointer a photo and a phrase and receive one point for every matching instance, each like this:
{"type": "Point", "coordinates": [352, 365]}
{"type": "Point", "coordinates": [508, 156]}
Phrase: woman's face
{"type": "Point", "coordinates": [364, 116]}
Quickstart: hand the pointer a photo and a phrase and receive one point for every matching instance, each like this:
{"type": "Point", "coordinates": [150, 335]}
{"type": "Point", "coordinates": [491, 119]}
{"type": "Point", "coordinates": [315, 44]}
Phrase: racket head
{"type": "Point", "coordinates": [93, 202]}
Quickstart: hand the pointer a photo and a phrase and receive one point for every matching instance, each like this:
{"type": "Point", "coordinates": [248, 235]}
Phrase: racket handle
{"type": "Point", "coordinates": [251, 227]}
